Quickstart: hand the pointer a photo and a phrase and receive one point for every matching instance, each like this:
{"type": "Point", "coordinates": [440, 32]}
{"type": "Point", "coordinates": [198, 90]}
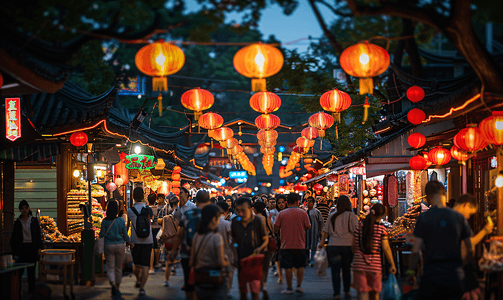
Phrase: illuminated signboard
{"type": "Point", "coordinates": [13, 118]}
{"type": "Point", "coordinates": [140, 161]}
{"type": "Point", "coordinates": [238, 174]}
{"type": "Point", "coordinates": [240, 180]}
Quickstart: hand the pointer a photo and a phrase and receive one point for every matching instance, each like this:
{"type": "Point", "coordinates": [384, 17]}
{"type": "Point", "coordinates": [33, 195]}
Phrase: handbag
{"type": "Point", "coordinates": [209, 278]}
{"type": "Point", "coordinates": [251, 268]}
{"type": "Point", "coordinates": [99, 246]}
{"type": "Point", "coordinates": [272, 246]}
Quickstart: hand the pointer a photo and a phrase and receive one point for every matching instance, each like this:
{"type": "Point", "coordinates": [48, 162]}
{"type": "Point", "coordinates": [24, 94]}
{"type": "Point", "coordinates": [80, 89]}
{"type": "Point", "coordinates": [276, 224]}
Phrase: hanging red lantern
{"type": "Point", "coordinates": [416, 116]}
{"type": "Point", "coordinates": [175, 176]}
{"type": "Point", "coordinates": [459, 154]}
{"type": "Point", "coordinates": [300, 187]}
{"type": "Point", "coordinates": [492, 128]}
{"type": "Point", "coordinates": [258, 61]}
{"type": "Point", "coordinates": [335, 101]}
{"type": "Point", "coordinates": [267, 150]}
{"type": "Point", "coordinates": [267, 143]}
{"type": "Point", "coordinates": [223, 133]}
{"type": "Point", "coordinates": [415, 93]}
{"type": "Point", "coordinates": [159, 60]}
{"type": "Point", "coordinates": [309, 133]}
{"type": "Point", "coordinates": [229, 143]}
{"type": "Point", "coordinates": [267, 135]}
{"type": "Point", "coordinates": [303, 142]}
{"type": "Point", "coordinates": [318, 187]}
{"type": "Point", "coordinates": [416, 140]}
{"type": "Point", "coordinates": [418, 162]}
{"type": "Point", "coordinates": [265, 102]}
{"type": "Point", "coordinates": [470, 139]}
{"type": "Point", "coordinates": [177, 170]}
{"type": "Point", "coordinates": [267, 122]}
{"type": "Point", "coordinates": [321, 121]}
{"type": "Point", "coordinates": [175, 184]}
{"type": "Point", "coordinates": [197, 100]}
{"type": "Point", "coordinates": [176, 191]}
{"type": "Point", "coordinates": [365, 60]}
{"type": "Point", "coordinates": [299, 149]}
{"type": "Point", "coordinates": [439, 156]}
{"type": "Point", "coordinates": [78, 138]}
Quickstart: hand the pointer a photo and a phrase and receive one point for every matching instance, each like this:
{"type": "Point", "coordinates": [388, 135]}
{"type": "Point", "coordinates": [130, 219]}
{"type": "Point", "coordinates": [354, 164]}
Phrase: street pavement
{"type": "Point", "coordinates": [314, 288]}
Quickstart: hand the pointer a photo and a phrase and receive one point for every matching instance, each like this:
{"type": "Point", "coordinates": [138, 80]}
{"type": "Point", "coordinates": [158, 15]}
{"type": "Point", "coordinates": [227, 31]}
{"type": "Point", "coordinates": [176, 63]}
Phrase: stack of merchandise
{"type": "Point", "coordinates": [492, 260]}
{"type": "Point", "coordinates": [51, 233]}
{"type": "Point", "coordinates": [98, 214]}
{"type": "Point", "coordinates": [406, 223]}
{"type": "Point", "coordinates": [75, 216]}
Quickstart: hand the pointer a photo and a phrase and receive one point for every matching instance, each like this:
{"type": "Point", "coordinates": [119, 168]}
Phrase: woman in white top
{"type": "Point", "coordinates": [340, 227]}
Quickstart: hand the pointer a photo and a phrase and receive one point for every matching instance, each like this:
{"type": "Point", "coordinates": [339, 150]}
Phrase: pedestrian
{"type": "Point", "coordinates": [141, 236]}
{"type": "Point", "coordinates": [156, 227]}
{"type": "Point", "coordinates": [224, 228]}
{"type": "Point", "coordinates": [188, 227]}
{"type": "Point", "coordinates": [185, 203]}
{"type": "Point", "coordinates": [313, 234]}
{"type": "Point", "coordinates": [467, 206]}
{"type": "Point", "coordinates": [249, 238]}
{"type": "Point", "coordinates": [207, 256]}
{"type": "Point", "coordinates": [273, 214]}
{"type": "Point", "coordinates": [340, 229]}
{"type": "Point", "coordinates": [323, 207]}
{"type": "Point", "coordinates": [292, 223]}
{"type": "Point", "coordinates": [26, 240]}
{"type": "Point", "coordinates": [259, 208]}
{"type": "Point", "coordinates": [122, 211]}
{"type": "Point", "coordinates": [113, 229]}
{"type": "Point", "coordinates": [171, 208]}
{"type": "Point", "coordinates": [370, 238]}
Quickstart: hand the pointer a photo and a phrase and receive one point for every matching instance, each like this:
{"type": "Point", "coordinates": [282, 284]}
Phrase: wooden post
{"type": "Point", "coordinates": [63, 173]}
{"type": "Point", "coordinates": [8, 203]}
{"type": "Point", "coordinates": [1, 209]}
{"type": "Point", "coordinates": [499, 223]}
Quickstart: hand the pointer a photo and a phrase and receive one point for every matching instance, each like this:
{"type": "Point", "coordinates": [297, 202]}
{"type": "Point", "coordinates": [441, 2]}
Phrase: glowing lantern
{"type": "Point", "coordinates": [223, 133]}
{"type": "Point", "coordinates": [267, 143]}
{"type": "Point", "coordinates": [197, 100]}
{"type": "Point", "coordinates": [492, 128]}
{"type": "Point", "coordinates": [78, 139]}
{"type": "Point", "coordinates": [177, 169]}
{"type": "Point", "coordinates": [416, 140]}
{"type": "Point", "coordinates": [267, 135]}
{"type": "Point", "coordinates": [267, 150]}
{"type": "Point", "coordinates": [111, 187]}
{"type": "Point", "coordinates": [300, 187]}
{"type": "Point", "coordinates": [258, 61]}
{"type": "Point", "coordinates": [321, 121]}
{"type": "Point", "coordinates": [265, 102]}
{"type": "Point", "coordinates": [309, 133]}
{"type": "Point", "coordinates": [439, 156]}
{"type": "Point", "coordinates": [365, 60]}
{"type": "Point", "coordinates": [418, 162]}
{"type": "Point", "coordinates": [303, 142]}
{"type": "Point", "coordinates": [470, 139]}
{"type": "Point", "coordinates": [229, 143]}
{"type": "Point", "coordinates": [119, 181]}
{"type": "Point", "coordinates": [415, 94]}
{"type": "Point", "coordinates": [335, 101]}
{"type": "Point", "coordinates": [459, 154]}
{"type": "Point", "coordinates": [176, 191]}
{"type": "Point", "coordinates": [416, 116]}
{"type": "Point", "coordinates": [211, 121]}
{"type": "Point", "coordinates": [175, 184]}
{"type": "Point", "coordinates": [236, 150]}
{"type": "Point", "coordinates": [159, 60]}
{"type": "Point", "coordinates": [267, 122]}
{"type": "Point", "coordinates": [318, 187]}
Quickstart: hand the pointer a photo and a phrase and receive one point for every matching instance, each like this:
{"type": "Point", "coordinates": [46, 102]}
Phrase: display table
{"type": "Point", "coordinates": [10, 281]}
{"type": "Point", "coordinates": [397, 248]}
{"type": "Point", "coordinates": [78, 276]}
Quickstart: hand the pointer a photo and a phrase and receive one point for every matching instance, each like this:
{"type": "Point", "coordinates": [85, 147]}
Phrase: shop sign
{"type": "Point", "coordinates": [238, 174]}
{"type": "Point", "coordinates": [140, 161]}
{"type": "Point", "coordinates": [13, 118]}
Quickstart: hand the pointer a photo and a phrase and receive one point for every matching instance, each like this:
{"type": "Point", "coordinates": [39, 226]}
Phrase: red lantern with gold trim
{"type": "Point", "coordinates": [321, 121]}
{"type": "Point", "coordinates": [470, 139]}
{"type": "Point", "coordinates": [492, 128]}
{"type": "Point", "coordinates": [415, 93]}
{"type": "Point", "coordinates": [418, 162]}
{"type": "Point", "coordinates": [303, 142]}
{"type": "Point", "coordinates": [416, 116]}
{"type": "Point", "coordinates": [177, 169]}
{"type": "Point", "coordinates": [416, 140]}
{"type": "Point", "coordinates": [78, 139]}
{"type": "Point", "coordinates": [309, 133]}
{"type": "Point", "coordinates": [335, 101]}
{"type": "Point", "coordinates": [439, 156]}
{"type": "Point", "coordinates": [223, 133]}
{"type": "Point", "coordinates": [229, 143]}
{"type": "Point", "coordinates": [197, 100]}
{"type": "Point", "coordinates": [459, 154]}
{"type": "Point", "coordinates": [267, 122]}
{"type": "Point", "coordinates": [265, 102]}
{"type": "Point", "coordinates": [267, 135]}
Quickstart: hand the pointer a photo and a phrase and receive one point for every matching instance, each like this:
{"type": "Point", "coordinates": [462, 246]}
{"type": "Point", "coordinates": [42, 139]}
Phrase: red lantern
{"type": "Point", "coordinates": [303, 142]}
{"type": "Point", "coordinates": [470, 139]}
{"type": "Point", "coordinates": [267, 135]}
{"type": "Point", "coordinates": [223, 133]}
{"type": "Point", "coordinates": [459, 154]}
{"type": "Point", "coordinates": [175, 176]}
{"type": "Point", "coordinates": [439, 156]}
{"type": "Point", "coordinates": [197, 100]}
{"type": "Point", "coordinates": [177, 169]}
{"type": "Point", "coordinates": [492, 128]}
{"type": "Point", "coordinates": [267, 122]}
{"type": "Point", "coordinates": [416, 140]}
{"type": "Point", "coordinates": [267, 150]}
{"type": "Point", "coordinates": [321, 121]}
{"type": "Point", "coordinates": [309, 133]}
{"type": "Point", "coordinates": [300, 187]}
{"type": "Point", "coordinates": [176, 190]}
{"type": "Point", "coordinates": [416, 116]}
{"type": "Point", "coordinates": [335, 101]}
{"type": "Point", "coordinates": [418, 162]}
{"type": "Point", "coordinates": [229, 143]}
{"type": "Point", "coordinates": [78, 139]}
{"type": "Point", "coordinates": [415, 93]}
{"type": "Point", "coordinates": [318, 187]}
{"type": "Point", "coordinates": [265, 102]}
{"type": "Point", "coordinates": [365, 60]}
{"type": "Point", "coordinates": [267, 143]}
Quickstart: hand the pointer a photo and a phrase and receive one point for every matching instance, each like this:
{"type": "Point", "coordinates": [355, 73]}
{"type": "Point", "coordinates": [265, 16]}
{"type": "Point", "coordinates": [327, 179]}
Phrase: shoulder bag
{"type": "Point", "coordinates": [208, 278]}
{"type": "Point", "coordinates": [272, 246]}
{"type": "Point", "coordinates": [99, 246]}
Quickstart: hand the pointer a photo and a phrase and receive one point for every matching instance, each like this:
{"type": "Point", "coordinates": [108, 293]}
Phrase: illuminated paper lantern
{"type": "Point", "coordinates": [416, 140]}
{"type": "Point", "coordinates": [439, 156]}
{"type": "Point", "coordinates": [416, 116]}
{"type": "Point", "coordinates": [459, 154]}
{"type": "Point", "coordinates": [78, 138]}
{"type": "Point", "coordinates": [223, 133]}
{"type": "Point", "coordinates": [470, 139]}
{"type": "Point", "coordinates": [265, 102]}
{"type": "Point", "coordinates": [335, 101]}
{"type": "Point", "coordinates": [309, 133]}
{"type": "Point", "coordinates": [418, 162]}
{"type": "Point", "coordinates": [492, 128]}
{"type": "Point", "coordinates": [415, 93]}
{"type": "Point", "coordinates": [267, 121]}
{"type": "Point", "coordinates": [197, 100]}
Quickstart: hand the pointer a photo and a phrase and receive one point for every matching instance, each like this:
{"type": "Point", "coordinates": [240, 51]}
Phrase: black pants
{"type": "Point", "coordinates": [340, 257]}
{"type": "Point", "coordinates": [28, 254]}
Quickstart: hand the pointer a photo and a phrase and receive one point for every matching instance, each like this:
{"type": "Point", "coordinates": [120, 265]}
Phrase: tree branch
{"type": "Point", "coordinates": [335, 11]}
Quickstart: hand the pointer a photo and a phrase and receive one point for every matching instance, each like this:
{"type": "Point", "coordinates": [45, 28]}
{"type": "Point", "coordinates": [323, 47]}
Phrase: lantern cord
{"type": "Point", "coordinates": [151, 114]}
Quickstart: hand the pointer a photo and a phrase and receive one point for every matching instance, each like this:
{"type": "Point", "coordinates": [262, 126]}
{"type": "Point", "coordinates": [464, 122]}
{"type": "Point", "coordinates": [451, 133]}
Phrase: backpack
{"type": "Point", "coordinates": [169, 227]}
{"type": "Point", "coordinates": [193, 217]}
{"type": "Point", "coordinates": [142, 227]}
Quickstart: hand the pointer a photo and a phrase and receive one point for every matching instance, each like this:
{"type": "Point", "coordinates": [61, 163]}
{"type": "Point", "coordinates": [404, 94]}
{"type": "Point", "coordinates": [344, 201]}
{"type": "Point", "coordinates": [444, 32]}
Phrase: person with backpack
{"type": "Point", "coordinates": [259, 208]}
{"type": "Point", "coordinates": [188, 228]}
{"type": "Point", "coordinates": [340, 228]}
{"type": "Point", "coordinates": [370, 239]}
{"type": "Point", "coordinates": [141, 236]}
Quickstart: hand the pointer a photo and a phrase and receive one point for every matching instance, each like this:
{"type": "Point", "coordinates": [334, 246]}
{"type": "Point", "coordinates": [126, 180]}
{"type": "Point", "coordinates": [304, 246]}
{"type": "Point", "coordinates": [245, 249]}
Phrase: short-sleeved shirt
{"type": "Point", "coordinates": [249, 238]}
{"type": "Point", "coordinates": [117, 234]}
{"type": "Point", "coordinates": [324, 210]}
{"type": "Point", "coordinates": [369, 262]}
{"type": "Point", "coordinates": [342, 233]}
{"type": "Point", "coordinates": [293, 223]}
{"type": "Point", "coordinates": [132, 218]}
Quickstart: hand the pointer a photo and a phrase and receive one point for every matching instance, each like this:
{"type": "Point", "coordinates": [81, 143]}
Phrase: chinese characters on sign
{"type": "Point", "coordinates": [12, 118]}
{"type": "Point", "coordinates": [140, 161]}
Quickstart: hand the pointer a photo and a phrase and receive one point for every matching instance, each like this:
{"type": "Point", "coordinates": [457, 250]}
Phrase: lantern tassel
{"type": "Point", "coordinates": [336, 132]}
{"type": "Point", "coordinates": [366, 86]}
{"type": "Point", "coordinates": [197, 114]}
{"type": "Point", "coordinates": [159, 103]}
{"type": "Point", "coordinates": [159, 84]}
{"type": "Point", "coordinates": [366, 106]}
{"type": "Point", "coordinates": [259, 85]}
{"type": "Point", "coordinates": [337, 117]}
{"type": "Point", "coordinates": [321, 143]}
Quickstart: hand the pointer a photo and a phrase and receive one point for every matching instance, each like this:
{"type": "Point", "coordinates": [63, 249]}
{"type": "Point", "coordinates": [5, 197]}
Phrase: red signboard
{"type": "Point", "coordinates": [12, 118]}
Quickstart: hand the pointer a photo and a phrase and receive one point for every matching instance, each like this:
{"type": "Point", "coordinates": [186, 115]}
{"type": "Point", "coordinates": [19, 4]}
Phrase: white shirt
{"type": "Point", "coordinates": [26, 229]}
{"type": "Point", "coordinates": [187, 206]}
{"type": "Point", "coordinates": [132, 217]}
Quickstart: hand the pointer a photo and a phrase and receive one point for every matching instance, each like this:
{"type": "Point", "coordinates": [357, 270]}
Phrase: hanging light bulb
{"type": "Point", "coordinates": [137, 149]}
{"type": "Point", "coordinates": [499, 180]}
{"type": "Point", "coordinates": [76, 173]}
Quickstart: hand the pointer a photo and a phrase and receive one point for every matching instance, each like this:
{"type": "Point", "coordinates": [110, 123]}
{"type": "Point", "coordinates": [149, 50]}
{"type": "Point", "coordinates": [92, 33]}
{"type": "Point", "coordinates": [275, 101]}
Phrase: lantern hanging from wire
{"type": "Point", "coordinates": [267, 135]}
{"type": "Point", "coordinates": [415, 93]}
{"type": "Point", "coordinates": [416, 140]}
{"type": "Point", "coordinates": [78, 139]}
{"type": "Point", "coordinates": [267, 143]}
{"type": "Point", "coordinates": [211, 121]}
{"type": "Point", "coordinates": [267, 150]}
{"type": "Point", "coordinates": [265, 102]}
{"type": "Point", "coordinates": [223, 133]}
{"type": "Point", "coordinates": [365, 60]}
{"type": "Point", "coordinates": [197, 100]}
{"type": "Point", "coordinates": [416, 116]}
{"type": "Point", "coordinates": [470, 139]}
{"type": "Point", "coordinates": [159, 60]}
{"type": "Point", "coordinates": [229, 143]}
{"type": "Point", "coordinates": [258, 61]}
{"type": "Point", "coordinates": [418, 162]}
{"type": "Point", "coordinates": [439, 156]}
{"type": "Point", "coordinates": [321, 121]}
{"type": "Point", "coordinates": [303, 142]}
{"type": "Point", "coordinates": [335, 101]}
{"type": "Point", "coordinates": [309, 133]}
{"type": "Point", "coordinates": [459, 154]}
{"type": "Point", "coordinates": [492, 128]}
{"type": "Point", "coordinates": [267, 121]}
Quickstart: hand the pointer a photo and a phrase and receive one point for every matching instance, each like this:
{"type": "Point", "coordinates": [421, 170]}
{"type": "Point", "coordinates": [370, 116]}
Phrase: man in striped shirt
{"type": "Point", "coordinates": [322, 206]}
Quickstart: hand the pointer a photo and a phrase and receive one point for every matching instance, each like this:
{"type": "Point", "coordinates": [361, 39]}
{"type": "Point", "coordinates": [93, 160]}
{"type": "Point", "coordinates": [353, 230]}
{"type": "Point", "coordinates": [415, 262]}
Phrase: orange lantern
{"type": "Point", "coordinates": [121, 170]}
{"type": "Point", "coordinates": [175, 184]}
{"type": "Point", "coordinates": [266, 143]}
{"type": "Point", "coordinates": [258, 61]}
{"type": "Point", "coordinates": [439, 156]}
{"type": "Point", "coordinates": [459, 154]}
{"type": "Point", "coordinates": [418, 162]}
{"type": "Point", "coordinates": [415, 94]}
{"type": "Point", "coordinates": [197, 100]}
{"type": "Point", "coordinates": [425, 155]}
{"type": "Point", "coordinates": [303, 142]}
{"type": "Point", "coordinates": [416, 116]}
{"type": "Point", "coordinates": [309, 133]}
{"type": "Point", "coordinates": [211, 121]}
{"type": "Point", "coordinates": [265, 102]}
{"type": "Point", "coordinates": [470, 139]}
{"type": "Point", "coordinates": [159, 60]}
{"type": "Point", "coordinates": [416, 140]}
{"type": "Point", "coordinates": [175, 176]}
{"type": "Point", "coordinates": [321, 121]}
{"type": "Point", "coordinates": [492, 128]}
{"type": "Point", "coordinates": [229, 143]}
{"type": "Point", "coordinates": [335, 101]}
{"type": "Point", "coordinates": [223, 133]}
{"type": "Point", "coordinates": [365, 60]}
{"type": "Point", "coordinates": [267, 122]}
{"type": "Point", "coordinates": [78, 138]}
{"type": "Point", "coordinates": [176, 191]}
{"type": "Point", "coordinates": [267, 150]}
{"type": "Point", "coordinates": [267, 135]}
{"type": "Point", "coordinates": [177, 169]}
{"type": "Point", "coordinates": [236, 150]}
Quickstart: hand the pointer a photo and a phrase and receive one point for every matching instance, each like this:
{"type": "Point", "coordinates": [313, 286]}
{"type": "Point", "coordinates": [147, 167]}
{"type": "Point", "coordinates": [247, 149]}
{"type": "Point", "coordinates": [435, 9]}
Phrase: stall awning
{"type": "Point", "coordinates": [384, 165]}
{"type": "Point", "coordinates": [30, 152]}
{"type": "Point", "coordinates": [333, 171]}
